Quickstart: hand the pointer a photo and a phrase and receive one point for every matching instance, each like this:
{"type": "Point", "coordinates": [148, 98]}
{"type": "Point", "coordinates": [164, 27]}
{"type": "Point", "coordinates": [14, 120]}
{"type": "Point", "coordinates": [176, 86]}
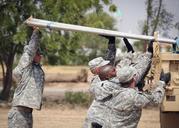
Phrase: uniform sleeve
{"type": "Point", "coordinates": [111, 51]}
{"type": "Point", "coordinates": [123, 62]}
{"type": "Point", "coordinates": [142, 65]}
{"type": "Point", "coordinates": [126, 60]}
{"type": "Point", "coordinates": [27, 56]}
{"type": "Point", "coordinates": [153, 98]}
{"type": "Point", "coordinates": [94, 81]}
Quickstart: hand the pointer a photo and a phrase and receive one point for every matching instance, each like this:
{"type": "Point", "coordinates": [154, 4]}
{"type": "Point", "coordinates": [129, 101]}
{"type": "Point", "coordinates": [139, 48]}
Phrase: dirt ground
{"type": "Point", "coordinates": [64, 117]}
{"type": "Point", "coordinates": [60, 116]}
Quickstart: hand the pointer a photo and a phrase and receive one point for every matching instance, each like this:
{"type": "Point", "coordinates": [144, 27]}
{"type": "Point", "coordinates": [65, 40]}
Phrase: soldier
{"type": "Point", "coordinates": [103, 90]}
{"type": "Point", "coordinates": [95, 112]}
{"type": "Point", "coordinates": [110, 58]}
{"type": "Point", "coordinates": [141, 64]}
{"type": "Point", "coordinates": [95, 67]}
{"type": "Point", "coordinates": [125, 107]}
{"type": "Point", "coordinates": [137, 60]}
{"type": "Point", "coordinates": [30, 80]}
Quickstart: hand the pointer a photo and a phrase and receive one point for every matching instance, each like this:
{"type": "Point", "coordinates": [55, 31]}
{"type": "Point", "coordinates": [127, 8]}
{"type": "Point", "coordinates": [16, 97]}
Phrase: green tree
{"type": "Point", "coordinates": [94, 45]}
{"type": "Point", "coordinates": [13, 35]}
{"type": "Point", "coordinates": [61, 47]}
{"type": "Point", "coordinates": [158, 18]}
{"type": "Point", "coordinates": [72, 46]}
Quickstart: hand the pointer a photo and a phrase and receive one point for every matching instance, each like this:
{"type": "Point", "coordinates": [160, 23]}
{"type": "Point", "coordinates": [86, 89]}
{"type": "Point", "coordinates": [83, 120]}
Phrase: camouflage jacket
{"type": "Point", "coordinates": [29, 77]}
{"type": "Point", "coordinates": [102, 90]}
{"type": "Point", "coordinates": [97, 110]}
{"type": "Point", "coordinates": [124, 109]}
{"type": "Point", "coordinates": [140, 62]}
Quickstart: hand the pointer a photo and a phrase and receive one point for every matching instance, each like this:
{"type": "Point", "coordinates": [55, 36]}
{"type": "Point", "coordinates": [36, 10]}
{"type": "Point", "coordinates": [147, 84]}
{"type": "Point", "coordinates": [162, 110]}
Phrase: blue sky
{"type": "Point", "coordinates": [134, 11]}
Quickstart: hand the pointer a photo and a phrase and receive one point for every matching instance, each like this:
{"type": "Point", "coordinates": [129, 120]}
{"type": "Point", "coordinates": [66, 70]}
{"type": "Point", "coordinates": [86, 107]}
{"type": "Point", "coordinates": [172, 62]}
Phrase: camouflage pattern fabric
{"type": "Point", "coordinates": [29, 77]}
{"type": "Point", "coordinates": [125, 59]}
{"type": "Point", "coordinates": [102, 89]}
{"type": "Point", "coordinates": [19, 119]}
{"type": "Point", "coordinates": [126, 74]}
{"type": "Point", "coordinates": [97, 62]}
{"type": "Point", "coordinates": [96, 113]}
{"type": "Point", "coordinates": [140, 62]}
{"type": "Point", "coordinates": [126, 105]}
{"type": "Point", "coordinates": [98, 109]}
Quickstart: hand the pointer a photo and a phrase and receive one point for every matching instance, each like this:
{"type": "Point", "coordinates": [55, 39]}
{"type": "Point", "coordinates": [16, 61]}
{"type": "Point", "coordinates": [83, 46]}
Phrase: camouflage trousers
{"type": "Point", "coordinates": [19, 118]}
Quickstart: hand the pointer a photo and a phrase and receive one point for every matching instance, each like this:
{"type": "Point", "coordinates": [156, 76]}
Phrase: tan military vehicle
{"type": "Point", "coordinates": [169, 62]}
{"type": "Point", "coordinates": [169, 114]}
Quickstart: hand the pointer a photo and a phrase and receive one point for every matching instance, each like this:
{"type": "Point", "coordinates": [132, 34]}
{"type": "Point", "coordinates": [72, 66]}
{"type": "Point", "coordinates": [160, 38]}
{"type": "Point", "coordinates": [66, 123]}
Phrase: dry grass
{"type": "Point", "coordinates": [59, 69]}
{"type": "Point", "coordinates": [63, 69]}
{"type": "Point", "coordinates": [64, 117]}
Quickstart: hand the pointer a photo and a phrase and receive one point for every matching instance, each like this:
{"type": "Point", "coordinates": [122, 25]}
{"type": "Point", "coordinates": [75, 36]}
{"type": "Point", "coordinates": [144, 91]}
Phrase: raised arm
{"type": "Point", "coordinates": [128, 45]}
{"type": "Point", "coordinates": [143, 66]}
{"type": "Point", "coordinates": [156, 96]}
{"type": "Point", "coordinates": [28, 55]}
{"type": "Point", "coordinates": [111, 51]}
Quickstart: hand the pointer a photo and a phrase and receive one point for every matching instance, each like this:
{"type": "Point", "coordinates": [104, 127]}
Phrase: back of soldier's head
{"type": "Point", "coordinates": [126, 74]}
{"type": "Point", "coordinates": [106, 72]}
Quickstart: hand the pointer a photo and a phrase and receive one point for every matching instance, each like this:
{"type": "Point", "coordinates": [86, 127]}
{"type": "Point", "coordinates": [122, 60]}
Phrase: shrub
{"type": "Point", "coordinates": [78, 98]}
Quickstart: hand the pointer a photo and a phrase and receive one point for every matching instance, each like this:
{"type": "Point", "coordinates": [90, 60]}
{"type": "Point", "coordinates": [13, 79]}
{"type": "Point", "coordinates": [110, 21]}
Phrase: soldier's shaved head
{"type": "Point", "coordinates": [106, 72]}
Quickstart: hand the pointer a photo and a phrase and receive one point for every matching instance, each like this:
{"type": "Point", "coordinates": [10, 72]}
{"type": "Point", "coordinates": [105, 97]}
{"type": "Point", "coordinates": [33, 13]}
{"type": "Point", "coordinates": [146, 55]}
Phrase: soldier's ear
{"type": "Point", "coordinates": [132, 83]}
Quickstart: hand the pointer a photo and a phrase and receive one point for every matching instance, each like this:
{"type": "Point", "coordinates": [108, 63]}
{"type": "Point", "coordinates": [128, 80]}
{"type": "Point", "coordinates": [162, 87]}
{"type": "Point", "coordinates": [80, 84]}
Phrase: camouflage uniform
{"type": "Point", "coordinates": [103, 90]}
{"type": "Point", "coordinates": [30, 80]}
{"type": "Point", "coordinates": [95, 111]}
{"type": "Point", "coordinates": [140, 62]}
{"type": "Point", "coordinates": [124, 109]}
{"type": "Point", "coordinates": [19, 119]}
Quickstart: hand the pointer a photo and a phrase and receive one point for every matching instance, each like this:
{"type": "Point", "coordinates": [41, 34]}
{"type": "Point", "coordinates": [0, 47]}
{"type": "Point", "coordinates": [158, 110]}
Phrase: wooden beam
{"type": "Point", "coordinates": [69, 27]}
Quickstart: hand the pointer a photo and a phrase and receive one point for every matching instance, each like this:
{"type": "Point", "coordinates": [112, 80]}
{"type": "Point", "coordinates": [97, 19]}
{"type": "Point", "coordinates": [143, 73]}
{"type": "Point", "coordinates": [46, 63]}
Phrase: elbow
{"type": "Point", "coordinates": [16, 75]}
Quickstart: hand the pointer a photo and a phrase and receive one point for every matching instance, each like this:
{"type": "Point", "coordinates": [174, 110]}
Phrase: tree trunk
{"type": "Point", "coordinates": [149, 16]}
{"type": "Point", "coordinates": [157, 17]}
{"type": "Point", "coordinates": [3, 70]}
{"type": "Point", "coordinates": [7, 79]}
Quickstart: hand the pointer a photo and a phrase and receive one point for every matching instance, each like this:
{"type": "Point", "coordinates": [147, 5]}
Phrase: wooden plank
{"type": "Point", "coordinates": [170, 56]}
{"type": "Point", "coordinates": [69, 27]}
